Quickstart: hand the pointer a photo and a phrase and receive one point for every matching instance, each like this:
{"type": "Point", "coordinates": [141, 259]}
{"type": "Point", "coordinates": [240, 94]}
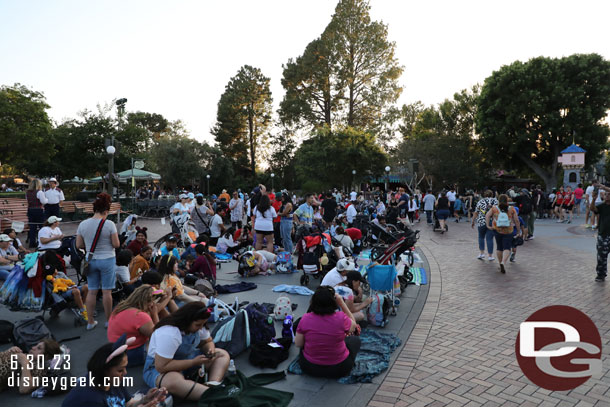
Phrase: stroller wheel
{"type": "Point", "coordinates": [393, 312]}
{"type": "Point", "coordinates": [410, 258]}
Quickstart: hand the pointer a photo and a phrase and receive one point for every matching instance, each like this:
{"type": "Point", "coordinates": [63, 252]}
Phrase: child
{"type": "Point", "coordinates": [457, 208]}
{"type": "Point", "coordinates": [514, 248]}
{"type": "Point", "coordinates": [185, 265]}
{"type": "Point", "coordinates": [167, 269]}
{"type": "Point", "coordinates": [123, 259]}
{"type": "Point", "coordinates": [68, 290]}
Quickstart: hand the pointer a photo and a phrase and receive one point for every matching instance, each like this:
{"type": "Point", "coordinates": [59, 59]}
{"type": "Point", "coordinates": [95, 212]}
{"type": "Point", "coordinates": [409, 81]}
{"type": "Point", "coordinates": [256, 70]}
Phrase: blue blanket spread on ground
{"type": "Point", "coordinates": [373, 358]}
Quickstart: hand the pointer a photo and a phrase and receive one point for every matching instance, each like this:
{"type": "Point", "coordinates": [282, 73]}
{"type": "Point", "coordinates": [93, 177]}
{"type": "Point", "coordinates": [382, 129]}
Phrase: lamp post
{"type": "Point", "coordinates": [272, 185]}
{"type": "Point", "coordinates": [353, 177]}
{"type": "Point", "coordinates": [387, 178]}
{"type": "Point", "coordinates": [208, 181]}
{"type": "Point", "coordinates": [110, 150]}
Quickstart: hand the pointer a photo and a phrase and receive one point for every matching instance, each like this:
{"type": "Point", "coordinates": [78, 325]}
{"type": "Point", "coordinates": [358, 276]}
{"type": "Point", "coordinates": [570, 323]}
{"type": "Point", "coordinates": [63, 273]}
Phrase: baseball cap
{"type": "Point", "coordinates": [53, 219]}
{"type": "Point", "coordinates": [190, 195]}
{"type": "Point", "coordinates": [172, 239]}
{"type": "Point", "coordinates": [199, 194]}
{"type": "Point", "coordinates": [5, 238]}
{"type": "Point", "coordinates": [345, 264]}
{"type": "Point", "coordinates": [53, 180]}
{"type": "Point", "coordinates": [183, 196]}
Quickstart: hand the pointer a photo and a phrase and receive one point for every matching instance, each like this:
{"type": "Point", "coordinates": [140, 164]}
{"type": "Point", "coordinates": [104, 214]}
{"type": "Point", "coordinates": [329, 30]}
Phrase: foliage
{"type": "Point", "coordinates": [25, 128]}
{"type": "Point", "coordinates": [330, 156]}
{"type": "Point", "coordinates": [527, 112]}
{"type": "Point", "coordinates": [281, 159]}
{"type": "Point", "coordinates": [244, 115]}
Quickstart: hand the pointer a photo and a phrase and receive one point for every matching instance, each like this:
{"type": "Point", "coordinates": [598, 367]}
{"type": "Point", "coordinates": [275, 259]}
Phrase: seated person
{"type": "Point", "coordinates": [191, 249]}
{"type": "Point", "coordinates": [256, 262]}
{"type": "Point", "coordinates": [110, 361]}
{"type": "Point", "coordinates": [10, 232]}
{"type": "Point", "coordinates": [338, 274]}
{"type": "Point", "coordinates": [68, 290]}
{"type": "Point", "coordinates": [344, 238]}
{"type": "Point", "coordinates": [179, 346]}
{"type": "Point", "coordinates": [205, 264]}
{"type": "Point", "coordinates": [8, 256]}
{"type": "Point", "coordinates": [167, 269]}
{"type": "Point", "coordinates": [167, 304]}
{"type": "Point", "coordinates": [244, 236]}
{"type": "Point", "coordinates": [226, 244]}
{"type": "Point", "coordinates": [185, 265]}
{"type": "Point", "coordinates": [351, 293]}
{"type": "Point", "coordinates": [123, 259]}
{"type": "Point", "coordinates": [356, 235]}
{"type": "Point", "coordinates": [128, 230]}
{"type": "Point", "coordinates": [170, 247]}
{"type": "Point", "coordinates": [140, 263]}
{"type": "Point", "coordinates": [47, 349]}
{"type": "Point", "coordinates": [136, 316]}
{"type": "Point", "coordinates": [321, 333]}
{"type": "Point", "coordinates": [139, 242]}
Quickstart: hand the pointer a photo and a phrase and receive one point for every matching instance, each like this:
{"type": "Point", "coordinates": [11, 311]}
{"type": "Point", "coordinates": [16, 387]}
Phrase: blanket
{"type": "Point", "coordinates": [373, 358]}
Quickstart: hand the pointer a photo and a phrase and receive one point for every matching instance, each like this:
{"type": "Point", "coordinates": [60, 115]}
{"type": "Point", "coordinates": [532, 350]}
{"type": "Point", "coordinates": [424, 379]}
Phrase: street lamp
{"type": "Point", "coordinates": [353, 176]}
{"type": "Point", "coordinates": [387, 178]}
{"type": "Point", "coordinates": [272, 186]}
{"type": "Point", "coordinates": [110, 150]}
{"type": "Point", "coordinates": [208, 180]}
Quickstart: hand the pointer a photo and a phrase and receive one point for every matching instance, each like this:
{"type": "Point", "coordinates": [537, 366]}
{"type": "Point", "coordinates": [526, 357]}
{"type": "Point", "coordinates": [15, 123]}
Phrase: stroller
{"type": "Point", "coordinates": [362, 222]}
{"type": "Point", "coordinates": [35, 294]}
{"type": "Point", "coordinates": [382, 281]}
{"type": "Point", "coordinates": [437, 225]}
{"type": "Point", "coordinates": [184, 231]}
{"type": "Point", "coordinates": [312, 249]}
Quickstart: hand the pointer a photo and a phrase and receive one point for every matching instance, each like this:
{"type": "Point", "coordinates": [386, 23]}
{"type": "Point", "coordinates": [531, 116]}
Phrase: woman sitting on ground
{"type": "Point", "coordinates": [226, 244]}
{"type": "Point", "coordinates": [48, 348]}
{"type": "Point", "coordinates": [327, 351]}
{"type": "Point", "coordinates": [351, 292]}
{"type": "Point", "coordinates": [140, 263]}
{"type": "Point", "coordinates": [179, 346]}
{"type": "Point", "coordinates": [107, 366]}
{"type": "Point", "coordinates": [167, 304]}
{"type": "Point", "coordinates": [167, 268]}
{"type": "Point", "coordinates": [204, 265]}
{"type": "Point", "coordinates": [139, 242]}
{"type": "Point", "coordinates": [136, 316]}
{"type": "Point", "coordinates": [123, 260]}
{"type": "Point", "coordinates": [344, 239]}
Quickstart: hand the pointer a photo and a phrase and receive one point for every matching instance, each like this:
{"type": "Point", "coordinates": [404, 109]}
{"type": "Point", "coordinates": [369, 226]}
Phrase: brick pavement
{"type": "Point", "coordinates": [461, 351]}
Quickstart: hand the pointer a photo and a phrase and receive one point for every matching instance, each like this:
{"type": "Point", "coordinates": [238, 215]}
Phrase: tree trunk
{"type": "Point", "coordinates": [351, 81]}
{"type": "Point", "coordinates": [251, 130]}
{"type": "Point", "coordinates": [549, 177]}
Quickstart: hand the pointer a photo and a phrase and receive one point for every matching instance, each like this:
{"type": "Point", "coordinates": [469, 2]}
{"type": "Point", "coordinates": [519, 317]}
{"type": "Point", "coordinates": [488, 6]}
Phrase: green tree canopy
{"type": "Point", "coordinates": [25, 128]}
{"type": "Point", "coordinates": [244, 115]}
{"type": "Point", "coordinates": [529, 112]}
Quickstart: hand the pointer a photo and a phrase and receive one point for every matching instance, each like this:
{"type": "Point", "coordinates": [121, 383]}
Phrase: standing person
{"type": "Point", "coordinates": [264, 213]}
{"type": "Point", "coordinates": [276, 203]}
{"type": "Point", "coordinates": [49, 237]}
{"type": "Point", "coordinates": [550, 207]}
{"type": "Point", "coordinates": [54, 197]}
{"type": "Point", "coordinates": [201, 214]}
{"type": "Point", "coordinates": [429, 202]}
{"type": "Point", "coordinates": [101, 260]}
{"type": "Point", "coordinates": [558, 205]}
{"type": "Point", "coordinates": [486, 233]}
{"type": "Point", "coordinates": [603, 235]}
{"type": "Point", "coordinates": [588, 200]}
{"type": "Point", "coordinates": [451, 196]}
{"type": "Point", "coordinates": [224, 196]}
{"type": "Point", "coordinates": [403, 202]}
{"type": "Point", "coordinates": [524, 202]}
{"type": "Point", "coordinates": [236, 205]}
{"type": "Point", "coordinates": [217, 227]}
{"type": "Point", "coordinates": [329, 209]}
{"type": "Point", "coordinates": [504, 221]}
{"type": "Point", "coordinates": [286, 223]}
{"type": "Point", "coordinates": [36, 199]}
{"type": "Point", "coordinates": [304, 213]}
{"type": "Point", "coordinates": [412, 208]}
{"type": "Point", "coordinates": [350, 213]}
{"type": "Point", "coordinates": [457, 208]}
{"type": "Point", "coordinates": [568, 205]}
{"type": "Point", "coordinates": [578, 193]}
{"type": "Point", "coordinates": [442, 210]}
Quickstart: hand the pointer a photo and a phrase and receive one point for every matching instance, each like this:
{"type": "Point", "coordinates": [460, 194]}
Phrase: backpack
{"type": "Point", "coordinates": [262, 327]}
{"type": "Point", "coordinates": [6, 331]}
{"type": "Point", "coordinates": [233, 334]}
{"type": "Point", "coordinates": [264, 355]}
{"type": "Point", "coordinates": [526, 205]}
{"type": "Point", "coordinates": [28, 332]}
{"type": "Point", "coordinates": [283, 308]}
{"type": "Point", "coordinates": [379, 310]}
{"type": "Point", "coordinates": [205, 286]}
{"type": "Point", "coordinates": [503, 220]}
{"type": "Point", "coordinates": [284, 263]}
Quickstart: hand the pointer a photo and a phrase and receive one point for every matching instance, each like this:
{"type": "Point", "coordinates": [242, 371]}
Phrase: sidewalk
{"type": "Point", "coordinates": [461, 351]}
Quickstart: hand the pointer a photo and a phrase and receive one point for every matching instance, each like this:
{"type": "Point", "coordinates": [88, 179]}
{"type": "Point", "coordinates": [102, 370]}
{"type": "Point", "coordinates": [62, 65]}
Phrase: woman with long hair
{"type": "Point", "coordinates": [486, 233]}
{"type": "Point", "coordinates": [36, 200]}
{"type": "Point", "coordinates": [179, 346]}
{"type": "Point", "coordinates": [102, 263]}
{"type": "Point", "coordinates": [505, 219]}
{"type": "Point", "coordinates": [168, 268]}
{"type": "Point", "coordinates": [46, 349]}
{"type": "Point", "coordinates": [263, 224]}
{"type": "Point", "coordinates": [286, 223]}
{"type": "Point", "coordinates": [442, 210]}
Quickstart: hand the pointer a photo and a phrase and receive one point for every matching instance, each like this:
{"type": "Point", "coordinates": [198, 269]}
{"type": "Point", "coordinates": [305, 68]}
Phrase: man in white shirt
{"type": "Point", "coordinates": [8, 256]}
{"type": "Point", "coordinates": [351, 213]}
{"type": "Point", "coordinates": [451, 196]}
{"type": "Point", "coordinates": [54, 196]}
{"type": "Point", "coordinates": [217, 226]}
{"type": "Point", "coordinates": [429, 201]}
{"type": "Point", "coordinates": [337, 275]}
{"type": "Point", "coordinates": [588, 199]}
{"type": "Point", "coordinates": [353, 196]}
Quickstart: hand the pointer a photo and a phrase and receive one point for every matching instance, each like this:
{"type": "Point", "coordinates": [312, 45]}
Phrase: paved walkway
{"type": "Point", "coordinates": [461, 352]}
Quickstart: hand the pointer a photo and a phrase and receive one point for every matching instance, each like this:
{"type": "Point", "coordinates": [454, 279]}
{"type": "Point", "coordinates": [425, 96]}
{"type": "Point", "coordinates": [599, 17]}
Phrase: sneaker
{"type": "Point", "coordinates": [559, 221]}
{"type": "Point", "coordinates": [502, 269]}
{"type": "Point", "coordinates": [105, 325]}
{"type": "Point", "coordinates": [600, 279]}
{"type": "Point", "coordinates": [491, 258]}
{"type": "Point", "coordinates": [587, 226]}
{"type": "Point", "coordinates": [594, 227]}
{"type": "Point", "coordinates": [512, 257]}
{"type": "Point", "coordinates": [530, 237]}
{"type": "Point", "coordinates": [481, 257]}
{"type": "Point", "coordinates": [91, 326]}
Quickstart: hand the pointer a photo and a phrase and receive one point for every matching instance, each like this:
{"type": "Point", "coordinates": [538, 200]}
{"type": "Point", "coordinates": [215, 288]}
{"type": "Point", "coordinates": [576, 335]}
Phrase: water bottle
{"type": "Point", "coordinates": [287, 328]}
{"type": "Point", "coordinates": [232, 370]}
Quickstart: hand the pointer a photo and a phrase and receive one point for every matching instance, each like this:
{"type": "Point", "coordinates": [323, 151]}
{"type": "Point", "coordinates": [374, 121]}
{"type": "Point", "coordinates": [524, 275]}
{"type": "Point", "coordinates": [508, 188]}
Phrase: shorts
{"type": "Point", "coordinates": [577, 201]}
{"type": "Point", "coordinates": [102, 274]}
{"type": "Point", "coordinates": [264, 232]}
{"type": "Point", "coordinates": [442, 214]}
{"type": "Point", "coordinates": [569, 207]}
{"type": "Point", "coordinates": [503, 241]}
{"type": "Point", "coordinates": [68, 295]}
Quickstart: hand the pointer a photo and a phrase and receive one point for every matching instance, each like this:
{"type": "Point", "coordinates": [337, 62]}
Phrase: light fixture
{"type": "Point", "coordinates": [110, 150]}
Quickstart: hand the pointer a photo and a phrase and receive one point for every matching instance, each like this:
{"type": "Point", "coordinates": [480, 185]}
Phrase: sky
{"type": "Point", "coordinates": [175, 57]}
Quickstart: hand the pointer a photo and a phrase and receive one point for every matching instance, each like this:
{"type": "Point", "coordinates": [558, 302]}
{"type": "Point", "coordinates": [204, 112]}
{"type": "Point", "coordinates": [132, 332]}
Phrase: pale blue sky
{"type": "Point", "coordinates": [175, 57]}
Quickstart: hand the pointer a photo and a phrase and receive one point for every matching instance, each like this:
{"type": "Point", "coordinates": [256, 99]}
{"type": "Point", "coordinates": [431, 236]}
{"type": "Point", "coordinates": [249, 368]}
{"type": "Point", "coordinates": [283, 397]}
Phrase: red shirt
{"type": "Point", "coordinates": [559, 198]}
{"type": "Point", "coordinates": [129, 321]}
{"type": "Point", "coordinates": [276, 205]}
{"type": "Point", "coordinates": [578, 193]}
{"type": "Point", "coordinates": [354, 233]}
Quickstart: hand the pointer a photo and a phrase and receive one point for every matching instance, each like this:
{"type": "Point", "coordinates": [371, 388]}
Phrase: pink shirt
{"type": "Point", "coordinates": [325, 337]}
{"type": "Point", "coordinates": [129, 322]}
{"type": "Point", "coordinates": [578, 192]}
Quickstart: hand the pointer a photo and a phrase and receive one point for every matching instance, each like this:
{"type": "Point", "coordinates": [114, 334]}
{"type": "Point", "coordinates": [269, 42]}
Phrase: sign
{"type": "Point", "coordinates": [138, 165]}
{"type": "Point", "coordinates": [565, 336]}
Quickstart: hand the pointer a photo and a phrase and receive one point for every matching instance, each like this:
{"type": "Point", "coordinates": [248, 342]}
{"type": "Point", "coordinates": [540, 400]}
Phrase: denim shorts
{"type": "Point", "coordinates": [442, 214]}
{"type": "Point", "coordinates": [102, 274]}
{"type": "Point", "coordinates": [68, 295]}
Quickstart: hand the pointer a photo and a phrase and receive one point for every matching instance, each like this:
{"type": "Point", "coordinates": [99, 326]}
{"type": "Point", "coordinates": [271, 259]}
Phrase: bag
{"type": "Point", "coordinates": [233, 334]}
{"type": "Point", "coordinates": [263, 354]}
{"type": "Point", "coordinates": [526, 205]}
{"type": "Point", "coordinates": [6, 331]}
{"type": "Point", "coordinates": [28, 332]}
{"type": "Point", "coordinates": [503, 220]}
{"type": "Point", "coordinates": [84, 266]}
{"type": "Point", "coordinates": [283, 308]}
{"type": "Point", "coordinates": [190, 279]}
{"type": "Point", "coordinates": [205, 286]}
{"type": "Point", "coordinates": [262, 327]}
{"type": "Point", "coordinates": [284, 263]}
{"type": "Point", "coordinates": [379, 310]}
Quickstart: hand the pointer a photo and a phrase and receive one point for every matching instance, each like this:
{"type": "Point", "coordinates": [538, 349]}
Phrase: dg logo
{"type": "Point", "coordinates": [559, 348]}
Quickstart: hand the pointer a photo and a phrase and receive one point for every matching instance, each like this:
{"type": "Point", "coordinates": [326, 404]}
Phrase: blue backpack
{"type": "Point", "coordinates": [379, 310]}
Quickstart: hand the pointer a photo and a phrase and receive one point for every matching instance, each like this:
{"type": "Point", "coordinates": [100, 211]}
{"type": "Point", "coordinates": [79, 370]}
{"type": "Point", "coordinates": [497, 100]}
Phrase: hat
{"type": "Point", "coordinates": [190, 195]}
{"type": "Point", "coordinates": [224, 191]}
{"type": "Point", "coordinates": [172, 239]}
{"type": "Point", "coordinates": [345, 264]}
{"type": "Point", "coordinates": [53, 180]}
{"type": "Point", "coordinates": [5, 238]}
{"type": "Point", "coordinates": [214, 196]}
{"type": "Point", "coordinates": [199, 194]}
{"type": "Point", "coordinates": [183, 196]}
{"type": "Point", "coordinates": [53, 219]}
{"type": "Point", "coordinates": [355, 275]}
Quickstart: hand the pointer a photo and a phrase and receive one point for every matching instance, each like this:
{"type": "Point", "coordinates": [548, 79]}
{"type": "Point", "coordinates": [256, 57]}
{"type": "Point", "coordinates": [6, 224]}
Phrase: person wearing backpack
{"type": "Point", "coordinates": [524, 203]}
{"type": "Point", "coordinates": [321, 333]}
{"type": "Point", "coordinates": [486, 234]}
{"type": "Point", "coordinates": [28, 366]}
{"type": "Point", "coordinates": [504, 220]}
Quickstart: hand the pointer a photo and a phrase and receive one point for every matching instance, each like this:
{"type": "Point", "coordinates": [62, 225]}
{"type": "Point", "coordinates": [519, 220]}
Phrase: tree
{"type": "Point", "coordinates": [281, 159]}
{"type": "Point", "coordinates": [244, 114]}
{"type": "Point", "coordinates": [25, 128]}
{"type": "Point", "coordinates": [529, 112]}
{"type": "Point", "coordinates": [176, 159]}
{"type": "Point", "coordinates": [327, 158]}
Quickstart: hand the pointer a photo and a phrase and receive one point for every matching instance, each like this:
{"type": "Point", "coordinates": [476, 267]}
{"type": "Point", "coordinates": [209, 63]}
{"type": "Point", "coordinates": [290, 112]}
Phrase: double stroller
{"type": "Point", "coordinates": [316, 255]}
{"type": "Point", "coordinates": [28, 289]}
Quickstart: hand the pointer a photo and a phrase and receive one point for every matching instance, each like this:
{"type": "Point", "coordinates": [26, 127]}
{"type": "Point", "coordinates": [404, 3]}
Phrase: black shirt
{"type": "Point", "coordinates": [330, 209]}
{"type": "Point", "coordinates": [443, 203]}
